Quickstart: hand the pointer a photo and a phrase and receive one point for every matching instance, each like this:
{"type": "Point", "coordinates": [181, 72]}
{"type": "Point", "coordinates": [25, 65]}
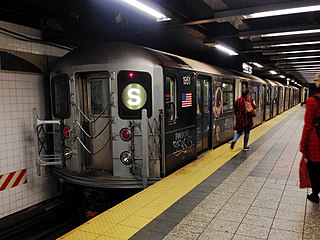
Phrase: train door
{"type": "Point", "coordinates": [286, 98]}
{"type": "Point", "coordinates": [267, 107]}
{"type": "Point", "coordinates": [281, 100]}
{"type": "Point", "coordinates": [262, 103]}
{"type": "Point", "coordinates": [203, 86]}
{"type": "Point", "coordinates": [257, 93]}
{"type": "Point", "coordinates": [223, 97]}
{"type": "Point", "coordinates": [291, 98]}
{"type": "Point", "coordinates": [96, 120]}
{"type": "Point", "coordinates": [272, 89]}
{"type": "Point", "coordinates": [275, 101]}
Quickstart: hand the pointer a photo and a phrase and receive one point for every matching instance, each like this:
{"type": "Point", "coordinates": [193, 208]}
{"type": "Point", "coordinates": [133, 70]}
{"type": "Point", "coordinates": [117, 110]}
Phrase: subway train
{"type": "Point", "coordinates": [126, 116]}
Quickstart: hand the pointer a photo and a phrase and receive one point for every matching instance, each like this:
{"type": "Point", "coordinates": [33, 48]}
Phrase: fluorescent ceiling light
{"type": "Point", "coordinates": [308, 68]}
{"type": "Point", "coordinates": [282, 76]}
{"type": "Point", "coordinates": [306, 71]}
{"type": "Point", "coordinates": [159, 16]}
{"type": "Point", "coordinates": [257, 64]}
{"type": "Point", "coordinates": [278, 34]}
{"type": "Point", "coordinates": [293, 58]}
{"type": "Point", "coordinates": [309, 72]}
{"type": "Point", "coordinates": [226, 50]}
{"type": "Point", "coordinates": [302, 62]}
{"type": "Point", "coordinates": [306, 65]}
{"type": "Point", "coordinates": [283, 12]}
{"type": "Point", "coordinates": [289, 44]}
{"type": "Point", "coordinates": [295, 44]}
{"type": "Point", "coordinates": [302, 51]}
{"type": "Point", "coordinates": [301, 57]}
{"type": "Point", "coordinates": [273, 72]}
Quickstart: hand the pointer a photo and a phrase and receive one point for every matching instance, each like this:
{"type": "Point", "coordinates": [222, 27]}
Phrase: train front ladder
{"type": "Point", "coordinates": [43, 157]}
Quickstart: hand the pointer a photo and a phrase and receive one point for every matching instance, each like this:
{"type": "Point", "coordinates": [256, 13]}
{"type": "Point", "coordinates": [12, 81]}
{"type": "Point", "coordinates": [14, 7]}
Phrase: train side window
{"type": "Point", "coordinates": [198, 93]}
{"type": "Point", "coordinates": [268, 97]}
{"type": "Point", "coordinates": [170, 98]}
{"type": "Point", "coordinates": [275, 95]}
{"type": "Point", "coordinates": [60, 93]}
{"type": "Point", "coordinates": [206, 88]}
{"type": "Point", "coordinates": [228, 96]}
{"type": "Point", "coordinates": [99, 99]}
{"type": "Point", "coordinates": [254, 95]}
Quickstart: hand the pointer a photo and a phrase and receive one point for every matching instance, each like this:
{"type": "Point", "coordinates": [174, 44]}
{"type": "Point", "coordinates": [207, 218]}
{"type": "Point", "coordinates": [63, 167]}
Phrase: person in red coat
{"type": "Point", "coordinates": [310, 143]}
{"type": "Point", "coordinates": [244, 122]}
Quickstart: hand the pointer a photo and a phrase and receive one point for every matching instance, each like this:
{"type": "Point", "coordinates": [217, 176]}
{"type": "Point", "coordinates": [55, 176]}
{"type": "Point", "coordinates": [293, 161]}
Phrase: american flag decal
{"type": "Point", "coordinates": [13, 179]}
{"type": "Point", "coordinates": [186, 99]}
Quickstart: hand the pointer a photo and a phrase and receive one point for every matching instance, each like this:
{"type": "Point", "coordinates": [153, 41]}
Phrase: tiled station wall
{"type": "Point", "coordinates": [20, 185]}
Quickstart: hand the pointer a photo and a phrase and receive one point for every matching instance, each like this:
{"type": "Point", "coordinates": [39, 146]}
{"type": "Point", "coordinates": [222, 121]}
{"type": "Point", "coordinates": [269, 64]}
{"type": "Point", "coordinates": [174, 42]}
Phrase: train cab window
{"type": "Point", "coordinates": [60, 96]}
{"type": "Point", "coordinates": [170, 98]}
{"type": "Point", "coordinates": [99, 97]}
{"type": "Point", "coordinates": [228, 96]}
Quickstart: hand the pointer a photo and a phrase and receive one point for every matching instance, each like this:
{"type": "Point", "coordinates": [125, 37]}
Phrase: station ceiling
{"type": "Point", "coordinates": [196, 26]}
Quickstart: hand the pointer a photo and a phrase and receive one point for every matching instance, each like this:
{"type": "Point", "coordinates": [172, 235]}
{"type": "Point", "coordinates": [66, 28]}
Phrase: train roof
{"type": "Point", "coordinates": [248, 76]}
{"type": "Point", "coordinates": [106, 52]}
{"type": "Point", "coordinates": [103, 53]}
{"type": "Point", "coordinates": [279, 84]}
{"type": "Point", "coordinates": [171, 60]}
{"type": "Point", "coordinates": [272, 83]}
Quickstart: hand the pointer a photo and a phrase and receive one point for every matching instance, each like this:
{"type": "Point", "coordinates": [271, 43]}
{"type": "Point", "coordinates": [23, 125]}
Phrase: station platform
{"type": "Point", "coordinates": [224, 194]}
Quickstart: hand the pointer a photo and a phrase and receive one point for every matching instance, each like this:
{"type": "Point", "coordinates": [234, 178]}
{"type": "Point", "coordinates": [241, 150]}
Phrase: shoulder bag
{"type": "Point", "coordinates": [249, 109]}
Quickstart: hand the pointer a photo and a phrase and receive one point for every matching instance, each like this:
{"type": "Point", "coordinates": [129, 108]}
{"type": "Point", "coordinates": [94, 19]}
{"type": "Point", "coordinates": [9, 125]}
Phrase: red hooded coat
{"type": "Point", "coordinates": [242, 118]}
{"type": "Point", "coordinates": [310, 142]}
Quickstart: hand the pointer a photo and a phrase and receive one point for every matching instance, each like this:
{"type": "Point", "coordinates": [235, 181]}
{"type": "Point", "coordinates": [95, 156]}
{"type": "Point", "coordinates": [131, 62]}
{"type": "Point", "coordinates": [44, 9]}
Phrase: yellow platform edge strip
{"type": "Point", "coordinates": [130, 216]}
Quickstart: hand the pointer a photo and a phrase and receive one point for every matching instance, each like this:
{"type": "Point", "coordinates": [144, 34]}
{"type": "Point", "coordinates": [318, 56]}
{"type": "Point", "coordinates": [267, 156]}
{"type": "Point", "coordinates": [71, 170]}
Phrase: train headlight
{"type": "Point", "coordinates": [126, 158]}
{"type": "Point", "coordinates": [67, 153]}
{"type": "Point", "coordinates": [125, 134]}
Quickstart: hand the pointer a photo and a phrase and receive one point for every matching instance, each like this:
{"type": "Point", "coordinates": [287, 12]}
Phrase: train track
{"type": "Point", "coordinates": [53, 218]}
{"type": "Point", "coordinates": [47, 220]}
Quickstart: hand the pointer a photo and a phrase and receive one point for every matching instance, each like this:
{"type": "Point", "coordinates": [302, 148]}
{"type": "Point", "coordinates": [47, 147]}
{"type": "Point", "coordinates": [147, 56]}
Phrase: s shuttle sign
{"type": "Point", "coordinates": [134, 96]}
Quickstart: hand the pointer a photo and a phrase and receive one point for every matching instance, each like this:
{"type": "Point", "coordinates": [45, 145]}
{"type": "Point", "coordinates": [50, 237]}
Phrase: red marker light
{"type": "Point", "coordinates": [66, 132]}
{"type": "Point", "coordinates": [131, 74]}
{"type": "Point", "coordinates": [92, 214]}
{"type": "Point", "coordinates": [125, 134]}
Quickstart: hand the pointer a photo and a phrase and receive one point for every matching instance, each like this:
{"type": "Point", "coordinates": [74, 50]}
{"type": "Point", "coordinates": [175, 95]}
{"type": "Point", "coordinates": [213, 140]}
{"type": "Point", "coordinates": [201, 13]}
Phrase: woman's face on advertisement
{"type": "Point", "coordinates": [218, 101]}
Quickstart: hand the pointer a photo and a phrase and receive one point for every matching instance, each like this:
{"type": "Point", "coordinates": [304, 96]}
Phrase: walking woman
{"type": "Point", "coordinates": [244, 121]}
{"type": "Point", "coordinates": [310, 143]}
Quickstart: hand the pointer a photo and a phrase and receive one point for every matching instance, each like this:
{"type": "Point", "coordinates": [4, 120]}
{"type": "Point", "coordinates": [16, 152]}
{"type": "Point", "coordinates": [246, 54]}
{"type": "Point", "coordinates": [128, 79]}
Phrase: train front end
{"type": "Point", "coordinates": [106, 126]}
